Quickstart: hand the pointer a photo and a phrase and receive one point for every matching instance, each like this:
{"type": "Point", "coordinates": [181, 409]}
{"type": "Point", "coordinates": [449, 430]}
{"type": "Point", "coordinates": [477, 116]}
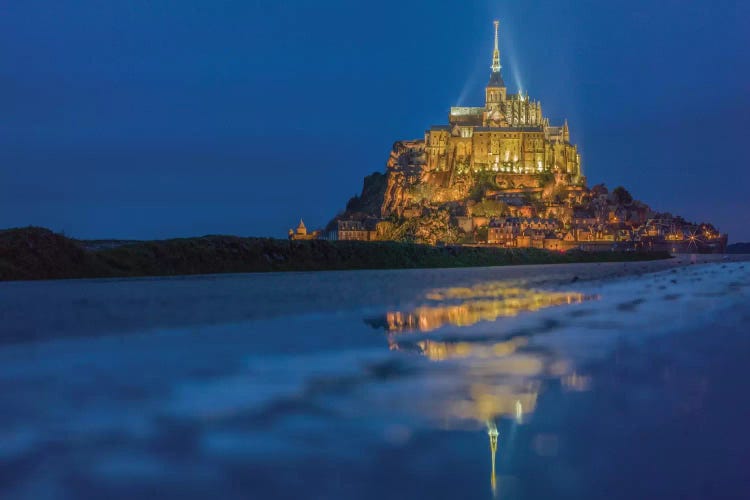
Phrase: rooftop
{"type": "Point", "coordinates": [496, 80]}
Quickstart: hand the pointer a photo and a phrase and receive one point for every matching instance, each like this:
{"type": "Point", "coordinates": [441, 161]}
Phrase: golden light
{"type": "Point", "coordinates": [469, 305]}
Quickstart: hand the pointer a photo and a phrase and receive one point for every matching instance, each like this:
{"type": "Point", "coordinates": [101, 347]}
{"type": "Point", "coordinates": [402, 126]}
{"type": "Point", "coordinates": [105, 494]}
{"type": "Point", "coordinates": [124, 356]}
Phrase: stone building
{"type": "Point", "coordinates": [508, 135]}
{"type": "Point", "coordinates": [301, 233]}
{"type": "Point", "coordinates": [357, 230]}
{"type": "Point", "coordinates": [505, 230]}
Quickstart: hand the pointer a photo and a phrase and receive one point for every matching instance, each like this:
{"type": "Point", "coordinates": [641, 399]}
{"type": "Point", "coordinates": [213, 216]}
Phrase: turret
{"type": "Point", "coordinates": [301, 229]}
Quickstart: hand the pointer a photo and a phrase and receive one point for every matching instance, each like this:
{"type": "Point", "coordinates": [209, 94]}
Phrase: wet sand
{"type": "Point", "coordinates": [600, 380]}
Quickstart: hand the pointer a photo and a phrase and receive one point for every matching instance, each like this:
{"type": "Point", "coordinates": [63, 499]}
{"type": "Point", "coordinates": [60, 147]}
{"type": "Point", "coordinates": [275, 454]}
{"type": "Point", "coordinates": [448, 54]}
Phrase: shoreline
{"type": "Point", "coordinates": [30, 254]}
{"type": "Point", "coordinates": [40, 254]}
{"type": "Point", "coordinates": [115, 306]}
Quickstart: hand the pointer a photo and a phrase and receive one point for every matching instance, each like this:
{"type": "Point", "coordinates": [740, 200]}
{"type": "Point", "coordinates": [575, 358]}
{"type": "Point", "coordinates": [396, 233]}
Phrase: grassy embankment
{"type": "Point", "coordinates": [37, 253]}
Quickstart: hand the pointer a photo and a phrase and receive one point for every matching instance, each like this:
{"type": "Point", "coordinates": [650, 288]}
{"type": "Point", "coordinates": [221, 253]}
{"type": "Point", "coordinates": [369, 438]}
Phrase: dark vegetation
{"type": "Point", "coordinates": [739, 248]}
{"type": "Point", "coordinates": [37, 253]}
{"type": "Point", "coordinates": [483, 182]}
{"type": "Point", "coordinates": [622, 197]}
{"type": "Point", "coordinates": [489, 208]}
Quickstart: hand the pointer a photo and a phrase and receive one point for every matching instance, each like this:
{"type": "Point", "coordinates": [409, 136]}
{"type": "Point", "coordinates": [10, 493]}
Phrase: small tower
{"type": "Point", "coordinates": [496, 91]}
{"type": "Point", "coordinates": [301, 229]}
{"type": "Point", "coordinates": [301, 233]}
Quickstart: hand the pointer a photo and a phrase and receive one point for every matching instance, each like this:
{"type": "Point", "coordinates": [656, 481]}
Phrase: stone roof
{"type": "Point", "coordinates": [537, 128]}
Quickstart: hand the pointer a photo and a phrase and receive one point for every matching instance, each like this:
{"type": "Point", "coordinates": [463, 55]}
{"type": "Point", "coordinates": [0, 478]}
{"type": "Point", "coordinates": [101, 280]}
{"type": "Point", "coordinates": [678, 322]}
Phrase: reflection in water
{"type": "Point", "coordinates": [496, 399]}
{"type": "Point", "coordinates": [467, 306]}
{"type": "Point", "coordinates": [493, 433]}
{"type": "Point", "coordinates": [495, 379]}
{"type": "Point", "coordinates": [439, 351]}
{"type": "Point", "coordinates": [500, 380]}
{"type": "Point", "coordinates": [576, 382]}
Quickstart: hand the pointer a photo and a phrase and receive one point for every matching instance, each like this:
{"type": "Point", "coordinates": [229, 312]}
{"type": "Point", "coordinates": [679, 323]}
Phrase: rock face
{"type": "Point", "coordinates": [403, 174]}
{"type": "Point", "coordinates": [410, 184]}
{"type": "Point", "coordinates": [367, 204]}
{"type": "Point", "coordinates": [371, 198]}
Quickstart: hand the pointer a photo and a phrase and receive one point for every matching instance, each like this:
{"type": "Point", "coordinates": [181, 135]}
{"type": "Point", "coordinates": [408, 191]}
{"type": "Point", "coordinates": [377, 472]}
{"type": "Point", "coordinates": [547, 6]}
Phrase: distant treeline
{"type": "Point", "coordinates": [38, 253]}
{"type": "Point", "coordinates": [738, 248]}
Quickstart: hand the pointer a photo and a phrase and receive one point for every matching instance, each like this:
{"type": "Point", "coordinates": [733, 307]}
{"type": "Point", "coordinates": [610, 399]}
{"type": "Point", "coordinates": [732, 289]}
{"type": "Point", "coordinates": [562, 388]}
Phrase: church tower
{"type": "Point", "coordinates": [495, 92]}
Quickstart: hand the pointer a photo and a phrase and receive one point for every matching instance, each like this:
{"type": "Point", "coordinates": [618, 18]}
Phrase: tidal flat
{"type": "Point", "coordinates": [610, 380]}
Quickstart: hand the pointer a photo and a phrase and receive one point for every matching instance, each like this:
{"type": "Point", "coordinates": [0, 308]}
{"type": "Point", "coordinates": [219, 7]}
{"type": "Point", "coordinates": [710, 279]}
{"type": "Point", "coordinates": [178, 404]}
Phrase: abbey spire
{"type": "Point", "coordinates": [495, 92]}
{"type": "Point", "coordinates": [496, 53]}
{"type": "Point", "coordinates": [496, 79]}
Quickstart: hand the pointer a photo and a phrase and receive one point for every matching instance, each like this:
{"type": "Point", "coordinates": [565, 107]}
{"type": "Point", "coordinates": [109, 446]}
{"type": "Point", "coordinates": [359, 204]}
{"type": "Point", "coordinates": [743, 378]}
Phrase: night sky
{"type": "Point", "coordinates": [154, 119]}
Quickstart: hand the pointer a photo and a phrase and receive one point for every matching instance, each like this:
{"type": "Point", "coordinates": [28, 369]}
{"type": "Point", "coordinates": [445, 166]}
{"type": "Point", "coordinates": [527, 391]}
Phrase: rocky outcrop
{"type": "Point", "coordinates": [417, 202]}
{"type": "Point", "coordinates": [431, 228]}
{"type": "Point", "coordinates": [367, 204]}
{"type": "Point", "coordinates": [371, 198]}
{"type": "Point", "coordinates": [403, 174]}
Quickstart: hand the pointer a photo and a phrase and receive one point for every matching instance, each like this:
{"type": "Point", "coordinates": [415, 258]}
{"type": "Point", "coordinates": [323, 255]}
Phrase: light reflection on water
{"type": "Point", "coordinates": [463, 306]}
{"type": "Point", "coordinates": [499, 379]}
{"type": "Point", "coordinates": [499, 382]}
{"type": "Point", "coordinates": [313, 404]}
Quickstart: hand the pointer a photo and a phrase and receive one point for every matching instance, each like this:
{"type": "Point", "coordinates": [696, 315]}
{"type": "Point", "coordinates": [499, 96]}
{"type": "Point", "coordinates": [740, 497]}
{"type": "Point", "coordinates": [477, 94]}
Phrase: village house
{"type": "Point", "coordinates": [356, 230]}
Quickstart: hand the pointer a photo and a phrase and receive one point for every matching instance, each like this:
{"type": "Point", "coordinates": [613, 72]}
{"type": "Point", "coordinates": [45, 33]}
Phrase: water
{"type": "Point", "coordinates": [521, 383]}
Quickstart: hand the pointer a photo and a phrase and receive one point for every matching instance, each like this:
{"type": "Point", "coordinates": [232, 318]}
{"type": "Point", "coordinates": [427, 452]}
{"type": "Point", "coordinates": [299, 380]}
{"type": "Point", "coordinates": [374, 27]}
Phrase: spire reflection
{"type": "Point", "coordinates": [493, 434]}
{"type": "Point", "coordinates": [489, 380]}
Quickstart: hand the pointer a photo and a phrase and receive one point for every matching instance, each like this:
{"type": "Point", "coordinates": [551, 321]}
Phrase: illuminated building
{"type": "Point", "coordinates": [501, 174]}
{"type": "Point", "coordinates": [301, 233]}
{"type": "Point", "coordinates": [508, 135]}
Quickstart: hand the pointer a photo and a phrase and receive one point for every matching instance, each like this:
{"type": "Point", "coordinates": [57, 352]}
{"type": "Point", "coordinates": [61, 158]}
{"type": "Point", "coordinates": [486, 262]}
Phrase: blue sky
{"type": "Point", "coordinates": [152, 119]}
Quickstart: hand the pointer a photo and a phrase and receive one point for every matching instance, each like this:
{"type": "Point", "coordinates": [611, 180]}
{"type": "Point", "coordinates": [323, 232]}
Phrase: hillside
{"type": "Point", "coordinates": [38, 253]}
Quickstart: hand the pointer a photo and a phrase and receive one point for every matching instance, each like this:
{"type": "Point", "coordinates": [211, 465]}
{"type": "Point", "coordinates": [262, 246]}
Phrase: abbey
{"type": "Point", "coordinates": [500, 174]}
{"type": "Point", "coordinates": [506, 145]}
{"type": "Point", "coordinates": [509, 134]}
